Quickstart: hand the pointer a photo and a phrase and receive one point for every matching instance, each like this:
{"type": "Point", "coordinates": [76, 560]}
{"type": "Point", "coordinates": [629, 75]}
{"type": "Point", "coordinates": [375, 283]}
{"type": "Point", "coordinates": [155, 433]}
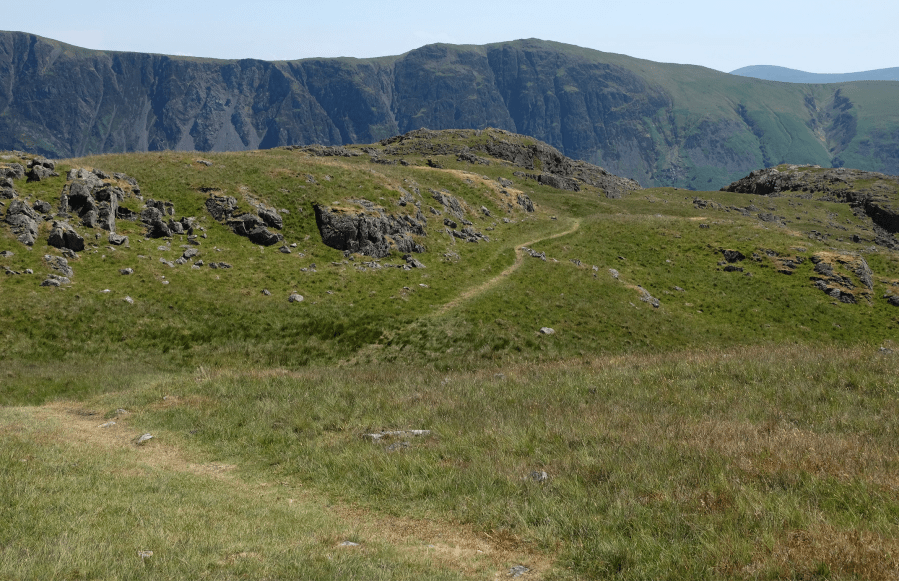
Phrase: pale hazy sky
{"type": "Point", "coordinates": [822, 37]}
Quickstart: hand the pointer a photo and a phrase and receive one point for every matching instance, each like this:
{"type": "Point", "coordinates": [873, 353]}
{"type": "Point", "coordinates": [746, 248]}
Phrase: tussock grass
{"type": "Point", "coordinates": [688, 465]}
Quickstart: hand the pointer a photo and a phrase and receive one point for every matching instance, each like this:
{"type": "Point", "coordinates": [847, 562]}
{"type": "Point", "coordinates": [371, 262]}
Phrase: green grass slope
{"type": "Point", "coordinates": [743, 428]}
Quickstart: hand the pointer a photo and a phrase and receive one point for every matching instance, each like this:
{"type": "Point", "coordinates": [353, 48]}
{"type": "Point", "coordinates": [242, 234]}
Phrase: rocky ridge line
{"type": "Point", "coordinates": [877, 195]}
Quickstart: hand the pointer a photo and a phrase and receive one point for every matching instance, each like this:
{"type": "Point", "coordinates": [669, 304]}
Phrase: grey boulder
{"type": "Point", "coordinates": [23, 221]}
{"type": "Point", "coordinates": [62, 235]}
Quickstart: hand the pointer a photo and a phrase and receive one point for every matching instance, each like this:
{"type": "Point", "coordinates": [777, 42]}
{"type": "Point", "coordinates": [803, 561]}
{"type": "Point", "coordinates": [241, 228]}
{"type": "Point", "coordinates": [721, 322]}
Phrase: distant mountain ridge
{"type": "Point", "coordinates": [785, 75]}
{"type": "Point", "coordinates": [657, 123]}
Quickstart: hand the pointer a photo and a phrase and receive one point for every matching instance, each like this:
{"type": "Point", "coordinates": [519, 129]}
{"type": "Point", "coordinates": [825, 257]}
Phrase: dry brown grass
{"type": "Point", "coordinates": [778, 447]}
{"type": "Point", "coordinates": [825, 552]}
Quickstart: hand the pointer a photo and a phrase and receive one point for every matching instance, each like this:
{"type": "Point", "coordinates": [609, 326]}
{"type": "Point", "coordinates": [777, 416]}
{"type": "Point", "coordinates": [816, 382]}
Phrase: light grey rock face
{"type": "Point", "coordinates": [648, 298]}
{"type": "Point", "coordinates": [154, 219]}
{"type": "Point", "coordinates": [450, 203]}
{"type": "Point", "coordinates": [539, 476]}
{"type": "Point", "coordinates": [117, 239]}
{"type": "Point", "coordinates": [23, 221]}
{"type": "Point", "coordinates": [411, 261]}
{"type": "Point", "coordinates": [252, 226]}
{"type": "Point", "coordinates": [533, 253]}
{"type": "Point", "coordinates": [13, 171]}
{"type": "Point", "coordinates": [39, 172]}
{"type": "Point", "coordinates": [62, 235]}
{"type": "Point", "coordinates": [547, 331]}
{"type": "Point", "coordinates": [863, 271]}
{"type": "Point", "coordinates": [92, 200]}
{"type": "Point", "coordinates": [518, 571]}
{"type": "Point", "coordinates": [55, 280]}
{"type": "Point", "coordinates": [370, 230]}
{"type": "Point", "coordinates": [59, 264]}
{"type": "Point", "coordinates": [295, 298]}
{"type": "Point", "coordinates": [7, 190]}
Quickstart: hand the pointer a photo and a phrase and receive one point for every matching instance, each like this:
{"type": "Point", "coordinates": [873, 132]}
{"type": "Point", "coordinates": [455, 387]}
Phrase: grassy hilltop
{"type": "Point", "coordinates": [702, 410]}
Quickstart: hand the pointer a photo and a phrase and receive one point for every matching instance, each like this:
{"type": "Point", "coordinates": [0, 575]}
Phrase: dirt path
{"type": "Point", "coordinates": [487, 285]}
{"type": "Point", "coordinates": [459, 547]}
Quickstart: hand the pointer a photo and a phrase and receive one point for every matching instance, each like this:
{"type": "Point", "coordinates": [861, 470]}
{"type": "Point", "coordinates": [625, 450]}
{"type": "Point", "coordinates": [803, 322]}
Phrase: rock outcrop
{"type": "Point", "coordinates": [844, 277]}
{"type": "Point", "coordinates": [368, 229]}
{"type": "Point", "coordinates": [13, 171]}
{"type": "Point", "coordinates": [40, 169]}
{"type": "Point", "coordinates": [253, 226]}
{"type": "Point", "coordinates": [62, 235]}
{"type": "Point", "coordinates": [556, 170]}
{"type": "Point", "coordinates": [93, 196]}
{"type": "Point", "coordinates": [876, 193]}
{"type": "Point", "coordinates": [23, 221]}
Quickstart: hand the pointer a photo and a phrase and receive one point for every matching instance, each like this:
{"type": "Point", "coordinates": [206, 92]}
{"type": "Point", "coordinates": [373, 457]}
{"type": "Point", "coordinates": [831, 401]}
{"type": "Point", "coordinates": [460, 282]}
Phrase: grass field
{"type": "Point", "coordinates": [743, 429]}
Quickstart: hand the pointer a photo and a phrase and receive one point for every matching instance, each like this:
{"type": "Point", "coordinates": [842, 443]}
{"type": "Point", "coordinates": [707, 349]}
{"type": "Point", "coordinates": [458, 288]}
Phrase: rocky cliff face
{"type": "Point", "coordinates": [659, 124]}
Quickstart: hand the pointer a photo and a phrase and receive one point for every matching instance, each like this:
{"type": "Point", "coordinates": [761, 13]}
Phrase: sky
{"type": "Point", "coordinates": [820, 37]}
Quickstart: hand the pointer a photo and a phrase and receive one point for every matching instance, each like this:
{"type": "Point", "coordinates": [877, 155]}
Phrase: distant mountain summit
{"type": "Point", "coordinates": [785, 75]}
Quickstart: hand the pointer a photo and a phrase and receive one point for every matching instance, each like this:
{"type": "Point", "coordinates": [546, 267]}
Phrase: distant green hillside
{"type": "Point", "coordinates": [661, 124]}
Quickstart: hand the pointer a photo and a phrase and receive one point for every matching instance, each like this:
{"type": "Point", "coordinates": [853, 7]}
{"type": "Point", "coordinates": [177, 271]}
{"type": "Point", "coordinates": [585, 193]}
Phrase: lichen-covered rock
{"type": "Point", "coordinates": [834, 275]}
{"type": "Point", "coordinates": [646, 297]}
{"type": "Point", "coordinates": [23, 221]}
{"type": "Point", "coordinates": [13, 171]}
{"type": "Point", "coordinates": [525, 202]}
{"type": "Point", "coordinates": [450, 203]}
{"type": "Point", "coordinates": [59, 264]}
{"type": "Point", "coordinates": [370, 230]}
{"type": "Point", "coordinates": [117, 239]}
{"type": "Point", "coordinates": [56, 280]}
{"type": "Point", "coordinates": [92, 200]}
{"type": "Point", "coordinates": [733, 255]}
{"type": "Point", "coordinates": [559, 182]}
{"type": "Point", "coordinates": [7, 191]}
{"type": "Point", "coordinates": [153, 219]}
{"type": "Point", "coordinates": [42, 207]}
{"type": "Point", "coordinates": [39, 172]}
{"type": "Point", "coordinates": [253, 226]}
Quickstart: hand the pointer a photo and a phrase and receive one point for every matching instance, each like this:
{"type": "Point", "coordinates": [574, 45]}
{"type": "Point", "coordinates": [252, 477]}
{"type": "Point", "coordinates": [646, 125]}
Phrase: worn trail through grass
{"type": "Point", "coordinates": [440, 545]}
{"type": "Point", "coordinates": [490, 283]}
